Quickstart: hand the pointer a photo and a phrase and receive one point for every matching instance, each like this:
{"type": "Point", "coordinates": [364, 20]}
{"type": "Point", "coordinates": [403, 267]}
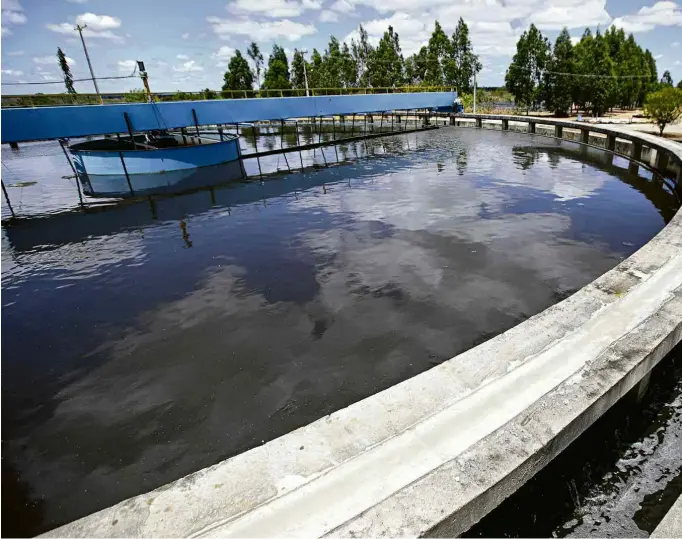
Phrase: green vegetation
{"type": "Point", "coordinates": [600, 72]}
{"type": "Point", "coordinates": [136, 96]}
{"type": "Point", "coordinates": [524, 76]}
{"type": "Point", "coordinates": [238, 75]}
{"type": "Point", "coordinates": [664, 106]}
{"type": "Point", "coordinates": [445, 61]}
{"type": "Point", "coordinates": [277, 73]}
{"type": "Point", "coordinates": [66, 70]}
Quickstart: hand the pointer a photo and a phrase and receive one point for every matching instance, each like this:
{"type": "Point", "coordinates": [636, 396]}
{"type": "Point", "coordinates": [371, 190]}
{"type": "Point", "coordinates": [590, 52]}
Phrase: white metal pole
{"type": "Point", "coordinates": [87, 57]}
{"type": "Point", "coordinates": [305, 74]}
{"type": "Point", "coordinates": [474, 92]}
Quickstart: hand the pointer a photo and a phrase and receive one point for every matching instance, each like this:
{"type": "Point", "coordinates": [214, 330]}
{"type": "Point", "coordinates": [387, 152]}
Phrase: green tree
{"type": "Point", "coordinates": [298, 70]}
{"type": "Point", "coordinates": [349, 68]}
{"type": "Point", "coordinates": [583, 66]}
{"type": "Point", "coordinates": [257, 58]}
{"type": "Point", "coordinates": [437, 51]}
{"type": "Point", "coordinates": [652, 86]}
{"type": "Point", "coordinates": [66, 70]}
{"type": "Point", "coordinates": [462, 65]}
{"type": "Point", "coordinates": [387, 61]}
{"type": "Point", "coordinates": [362, 53]}
{"type": "Point", "coordinates": [602, 86]}
{"type": "Point", "coordinates": [332, 64]}
{"type": "Point", "coordinates": [664, 107]}
{"type": "Point", "coordinates": [679, 84]}
{"type": "Point", "coordinates": [558, 79]}
{"type": "Point", "coordinates": [277, 73]}
{"type": "Point", "coordinates": [316, 75]}
{"type": "Point", "coordinates": [238, 75]}
{"type": "Point", "coordinates": [666, 79]}
{"type": "Point", "coordinates": [524, 75]}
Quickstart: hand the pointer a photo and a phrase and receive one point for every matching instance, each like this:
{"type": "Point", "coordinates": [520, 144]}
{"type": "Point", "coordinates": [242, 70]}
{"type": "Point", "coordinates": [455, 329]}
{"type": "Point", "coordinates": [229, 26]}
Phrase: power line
{"type": "Point", "coordinates": [598, 76]}
{"type": "Point", "coordinates": [132, 75]}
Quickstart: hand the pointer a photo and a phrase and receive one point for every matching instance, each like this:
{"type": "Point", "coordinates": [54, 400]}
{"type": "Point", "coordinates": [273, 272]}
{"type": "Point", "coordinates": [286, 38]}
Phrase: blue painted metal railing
{"type": "Point", "coordinates": [44, 123]}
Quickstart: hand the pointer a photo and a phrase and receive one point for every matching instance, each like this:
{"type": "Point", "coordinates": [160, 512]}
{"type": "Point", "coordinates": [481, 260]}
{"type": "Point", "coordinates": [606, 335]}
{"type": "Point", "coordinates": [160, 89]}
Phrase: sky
{"type": "Point", "coordinates": [186, 44]}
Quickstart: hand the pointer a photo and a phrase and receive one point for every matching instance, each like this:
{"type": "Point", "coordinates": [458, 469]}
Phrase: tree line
{"type": "Point", "coordinates": [599, 72]}
{"type": "Point", "coordinates": [444, 61]}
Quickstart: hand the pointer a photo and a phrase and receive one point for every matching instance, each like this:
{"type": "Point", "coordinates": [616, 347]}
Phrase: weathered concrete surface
{"type": "Point", "coordinates": [671, 525]}
{"type": "Point", "coordinates": [434, 454]}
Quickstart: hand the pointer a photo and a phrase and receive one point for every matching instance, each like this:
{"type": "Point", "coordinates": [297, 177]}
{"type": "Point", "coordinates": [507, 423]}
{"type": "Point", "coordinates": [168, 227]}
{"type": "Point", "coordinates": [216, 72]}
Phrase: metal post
{"type": "Point", "coordinates": [255, 147]}
{"type": "Point", "coordinates": [392, 120]}
{"type": "Point", "coordinates": [381, 123]}
{"type": "Point", "coordinates": [220, 132]}
{"type": "Point", "coordinates": [9, 205]}
{"type": "Point", "coordinates": [319, 137]}
{"type": "Point", "coordinates": [196, 124]}
{"type": "Point", "coordinates": [298, 143]}
{"type": "Point", "coordinates": [125, 169]}
{"type": "Point", "coordinates": [305, 74]}
{"type": "Point", "coordinates": [75, 173]}
{"type": "Point", "coordinates": [352, 126]}
{"type": "Point", "coordinates": [130, 128]}
{"type": "Point", "coordinates": [474, 92]}
{"type": "Point", "coordinates": [87, 57]}
{"type": "Point", "coordinates": [281, 146]}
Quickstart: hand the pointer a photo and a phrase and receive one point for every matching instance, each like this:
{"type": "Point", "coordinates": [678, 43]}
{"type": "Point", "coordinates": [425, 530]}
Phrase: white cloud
{"type": "Point", "coordinates": [265, 31]}
{"type": "Point", "coordinates": [126, 66]}
{"type": "Point", "coordinates": [185, 35]}
{"type": "Point", "coordinates": [328, 16]}
{"type": "Point", "coordinates": [223, 55]}
{"type": "Point", "coordinates": [182, 57]}
{"type": "Point", "coordinates": [78, 1]}
{"type": "Point", "coordinates": [68, 29]}
{"type": "Point", "coordinates": [13, 17]}
{"type": "Point", "coordinates": [188, 67]}
{"type": "Point", "coordinates": [675, 44]}
{"type": "Point", "coordinates": [342, 6]}
{"type": "Point", "coordinates": [571, 14]}
{"type": "Point", "coordinates": [6, 31]}
{"type": "Point", "coordinates": [15, 53]}
{"type": "Point", "coordinates": [98, 22]}
{"type": "Point", "coordinates": [658, 57]}
{"type": "Point", "coordinates": [273, 8]}
{"type": "Point", "coordinates": [649, 17]}
{"type": "Point", "coordinates": [12, 72]}
{"type": "Point", "coordinates": [51, 60]}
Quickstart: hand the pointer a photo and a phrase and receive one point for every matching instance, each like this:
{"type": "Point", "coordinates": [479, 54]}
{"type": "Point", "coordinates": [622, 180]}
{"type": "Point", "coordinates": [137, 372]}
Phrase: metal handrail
{"type": "Point", "coordinates": [42, 100]}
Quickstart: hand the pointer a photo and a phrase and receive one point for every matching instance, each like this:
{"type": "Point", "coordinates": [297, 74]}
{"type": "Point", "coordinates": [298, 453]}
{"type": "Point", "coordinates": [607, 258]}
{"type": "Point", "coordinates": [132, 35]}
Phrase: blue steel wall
{"type": "Point", "coordinates": [74, 121]}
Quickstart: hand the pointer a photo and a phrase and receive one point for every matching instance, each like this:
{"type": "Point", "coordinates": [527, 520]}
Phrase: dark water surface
{"type": "Point", "coordinates": [147, 341]}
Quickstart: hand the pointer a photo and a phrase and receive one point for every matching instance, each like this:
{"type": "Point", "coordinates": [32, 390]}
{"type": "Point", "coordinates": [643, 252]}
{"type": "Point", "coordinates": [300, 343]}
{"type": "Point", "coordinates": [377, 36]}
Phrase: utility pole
{"type": "Point", "coordinates": [474, 92]}
{"type": "Point", "coordinates": [87, 56]}
{"type": "Point", "coordinates": [144, 77]}
{"type": "Point", "coordinates": [305, 74]}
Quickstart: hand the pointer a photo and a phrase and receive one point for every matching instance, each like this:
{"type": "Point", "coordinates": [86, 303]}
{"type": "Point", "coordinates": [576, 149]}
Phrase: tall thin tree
{"type": "Point", "coordinates": [66, 69]}
{"type": "Point", "coordinates": [257, 58]}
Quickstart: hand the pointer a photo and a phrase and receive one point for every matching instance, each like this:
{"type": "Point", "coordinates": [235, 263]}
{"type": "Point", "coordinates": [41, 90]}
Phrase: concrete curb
{"type": "Point", "coordinates": [671, 525]}
{"type": "Point", "coordinates": [435, 453]}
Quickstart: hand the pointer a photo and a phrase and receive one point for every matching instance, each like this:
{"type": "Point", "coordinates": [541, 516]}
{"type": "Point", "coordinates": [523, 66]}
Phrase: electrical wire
{"type": "Point", "coordinates": [132, 75]}
{"type": "Point", "coordinates": [597, 75]}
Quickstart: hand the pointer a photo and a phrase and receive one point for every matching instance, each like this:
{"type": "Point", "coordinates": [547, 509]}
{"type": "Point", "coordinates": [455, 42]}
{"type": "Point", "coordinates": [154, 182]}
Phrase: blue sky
{"type": "Point", "coordinates": [186, 45]}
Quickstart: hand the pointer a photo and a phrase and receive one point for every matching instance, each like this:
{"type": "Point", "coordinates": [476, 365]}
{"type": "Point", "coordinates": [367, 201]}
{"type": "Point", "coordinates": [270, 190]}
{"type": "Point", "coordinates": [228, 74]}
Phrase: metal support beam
{"type": "Point", "coordinates": [585, 136]}
{"type": "Point", "coordinates": [505, 125]}
{"type": "Point", "coordinates": [531, 127]}
{"type": "Point", "coordinates": [558, 131]}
